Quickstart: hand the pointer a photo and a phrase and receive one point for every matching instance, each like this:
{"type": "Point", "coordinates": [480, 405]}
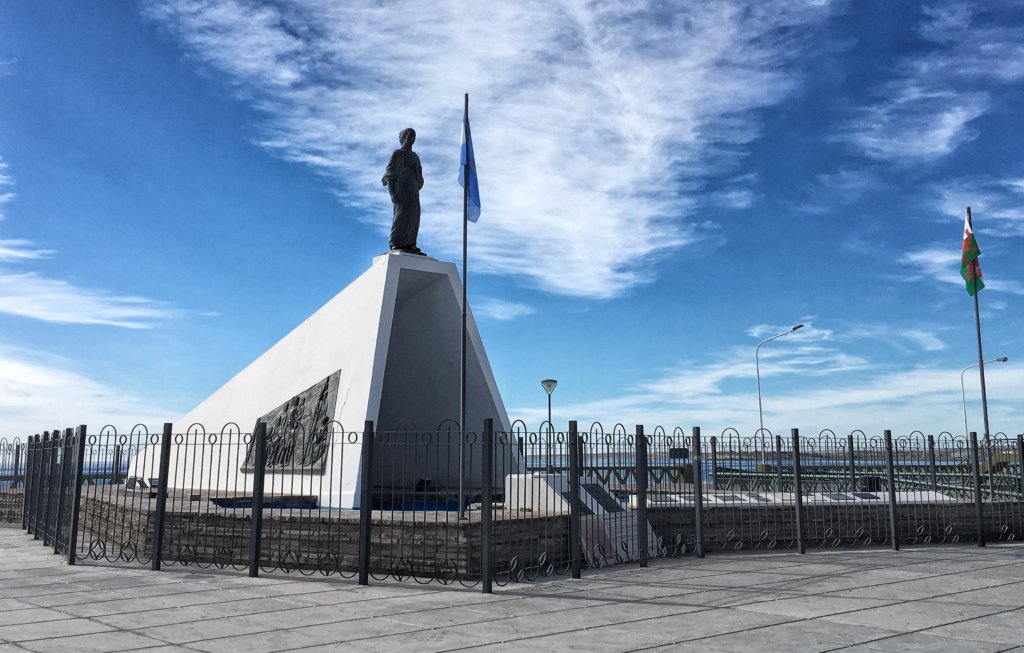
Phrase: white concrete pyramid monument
{"type": "Point", "coordinates": [386, 348]}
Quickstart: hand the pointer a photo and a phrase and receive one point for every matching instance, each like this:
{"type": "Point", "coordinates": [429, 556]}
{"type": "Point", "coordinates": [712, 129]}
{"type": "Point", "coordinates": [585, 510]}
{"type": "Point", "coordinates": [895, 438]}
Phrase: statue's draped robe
{"type": "Point", "coordinates": [404, 179]}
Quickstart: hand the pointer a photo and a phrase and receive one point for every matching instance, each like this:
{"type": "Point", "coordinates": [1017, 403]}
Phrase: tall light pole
{"type": "Point", "coordinates": [549, 387]}
{"type": "Point", "coordinates": [757, 372]}
{"type": "Point", "coordinates": [963, 393]}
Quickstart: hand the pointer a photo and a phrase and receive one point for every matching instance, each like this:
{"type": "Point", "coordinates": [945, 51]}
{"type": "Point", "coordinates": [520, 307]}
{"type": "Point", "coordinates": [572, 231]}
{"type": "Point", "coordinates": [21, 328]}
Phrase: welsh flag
{"type": "Point", "coordinates": [970, 268]}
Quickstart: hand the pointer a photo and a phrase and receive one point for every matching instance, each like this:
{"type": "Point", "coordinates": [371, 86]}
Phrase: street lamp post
{"type": "Point", "coordinates": [963, 393]}
{"type": "Point", "coordinates": [549, 387]}
{"type": "Point", "coordinates": [757, 372]}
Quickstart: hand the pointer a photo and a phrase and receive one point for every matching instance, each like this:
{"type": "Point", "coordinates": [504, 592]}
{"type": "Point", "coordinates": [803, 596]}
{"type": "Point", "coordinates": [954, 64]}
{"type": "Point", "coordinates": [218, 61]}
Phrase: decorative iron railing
{"type": "Point", "coordinates": [495, 506]}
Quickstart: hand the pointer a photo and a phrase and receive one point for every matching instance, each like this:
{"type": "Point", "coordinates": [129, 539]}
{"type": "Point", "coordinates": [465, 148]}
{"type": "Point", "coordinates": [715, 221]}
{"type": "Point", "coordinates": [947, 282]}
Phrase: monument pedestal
{"type": "Point", "coordinates": [386, 349]}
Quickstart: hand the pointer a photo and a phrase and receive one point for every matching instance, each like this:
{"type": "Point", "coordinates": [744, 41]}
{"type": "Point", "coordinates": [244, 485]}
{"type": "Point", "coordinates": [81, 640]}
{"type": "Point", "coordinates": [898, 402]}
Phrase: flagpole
{"type": "Point", "coordinates": [977, 325]}
{"type": "Point", "coordinates": [462, 351]}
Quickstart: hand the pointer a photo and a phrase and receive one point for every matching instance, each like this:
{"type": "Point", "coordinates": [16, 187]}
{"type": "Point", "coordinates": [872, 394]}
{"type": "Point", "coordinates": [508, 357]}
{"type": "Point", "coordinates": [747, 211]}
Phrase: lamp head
{"type": "Point", "coordinates": [1002, 359]}
{"type": "Point", "coordinates": [549, 385]}
{"type": "Point", "coordinates": [797, 327]}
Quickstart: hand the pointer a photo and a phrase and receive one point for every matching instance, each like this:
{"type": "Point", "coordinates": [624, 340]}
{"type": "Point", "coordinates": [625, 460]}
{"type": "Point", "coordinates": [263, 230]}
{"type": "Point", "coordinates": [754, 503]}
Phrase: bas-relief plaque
{"type": "Point", "coordinates": [299, 430]}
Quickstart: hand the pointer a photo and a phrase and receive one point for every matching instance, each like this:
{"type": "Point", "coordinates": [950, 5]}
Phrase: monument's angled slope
{"type": "Point", "coordinates": [386, 349]}
{"type": "Point", "coordinates": [392, 337]}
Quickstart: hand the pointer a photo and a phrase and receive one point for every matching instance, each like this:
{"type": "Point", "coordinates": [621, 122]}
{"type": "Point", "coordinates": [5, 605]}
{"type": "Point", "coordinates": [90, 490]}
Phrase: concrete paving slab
{"type": "Point", "coordinates": [270, 642]}
{"type": "Point", "coordinates": [603, 639]}
{"type": "Point", "coordinates": [726, 597]}
{"type": "Point", "coordinates": [204, 629]}
{"type": "Point", "coordinates": [98, 643]}
{"type": "Point", "coordinates": [14, 604]}
{"type": "Point", "coordinates": [798, 635]}
{"type": "Point", "coordinates": [924, 643]}
{"type": "Point", "coordinates": [921, 588]}
{"type": "Point", "coordinates": [809, 607]}
{"type": "Point", "coordinates": [355, 593]}
{"type": "Point", "coordinates": [29, 615]}
{"type": "Point", "coordinates": [176, 599]}
{"type": "Point", "coordinates": [161, 649]}
{"type": "Point", "coordinates": [829, 599]}
{"type": "Point", "coordinates": [626, 636]}
{"type": "Point", "coordinates": [913, 616]}
{"type": "Point", "coordinates": [759, 578]}
{"type": "Point", "coordinates": [1002, 628]}
{"type": "Point", "coordinates": [170, 616]}
{"type": "Point", "coordinates": [59, 599]}
{"type": "Point", "coordinates": [21, 633]}
{"type": "Point", "coordinates": [1008, 595]}
{"type": "Point", "coordinates": [1014, 570]}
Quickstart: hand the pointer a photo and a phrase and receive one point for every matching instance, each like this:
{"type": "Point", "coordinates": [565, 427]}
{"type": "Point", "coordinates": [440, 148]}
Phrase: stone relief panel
{"type": "Point", "coordinates": [299, 430]}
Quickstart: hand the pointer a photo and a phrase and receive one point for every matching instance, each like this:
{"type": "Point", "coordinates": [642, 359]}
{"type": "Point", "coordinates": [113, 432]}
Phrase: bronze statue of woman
{"type": "Point", "coordinates": [404, 179]}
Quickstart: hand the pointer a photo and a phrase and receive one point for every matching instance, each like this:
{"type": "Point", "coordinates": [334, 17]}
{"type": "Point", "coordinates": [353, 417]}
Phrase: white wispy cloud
{"type": "Point", "coordinates": [997, 204]}
{"type": "Point", "coordinates": [842, 187]}
{"type": "Point", "coordinates": [499, 309]}
{"type": "Point", "coordinates": [36, 296]}
{"type": "Point", "coordinates": [849, 390]}
{"type": "Point", "coordinates": [594, 124]}
{"type": "Point", "coordinates": [40, 392]}
{"type": "Point", "coordinates": [925, 340]}
{"type": "Point", "coordinates": [942, 264]}
{"type": "Point", "coordinates": [32, 295]}
{"type": "Point", "coordinates": [6, 182]}
{"type": "Point", "coordinates": [923, 398]}
{"type": "Point", "coordinates": [22, 250]}
{"type": "Point", "coordinates": [915, 123]}
{"type": "Point", "coordinates": [925, 111]}
{"type": "Point", "coordinates": [903, 338]}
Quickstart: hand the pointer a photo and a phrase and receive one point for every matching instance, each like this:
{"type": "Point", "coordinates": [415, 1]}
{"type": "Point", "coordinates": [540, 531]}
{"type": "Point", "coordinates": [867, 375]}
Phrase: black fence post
{"type": "Point", "coordinates": [798, 492]}
{"type": "Point", "coordinates": [62, 482]}
{"type": "Point", "coordinates": [76, 494]}
{"type": "Point", "coordinates": [161, 498]}
{"type": "Point", "coordinates": [27, 487]}
{"type": "Point", "coordinates": [850, 444]}
{"type": "Point", "coordinates": [17, 467]}
{"type": "Point", "coordinates": [43, 497]}
{"type": "Point", "coordinates": [1020, 462]}
{"type": "Point", "coordinates": [575, 544]}
{"type": "Point", "coordinates": [979, 520]}
{"type": "Point", "coordinates": [52, 488]}
{"type": "Point", "coordinates": [641, 494]}
{"type": "Point", "coordinates": [259, 474]}
{"type": "Point", "coordinates": [933, 472]}
{"type": "Point", "coordinates": [365, 502]}
{"type": "Point", "coordinates": [890, 474]}
{"type": "Point", "coordinates": [778, 463]}
{"type": "Point", "coordinates": [46, 478]}
{"type": "Point", "coordinates": [698, 491]}
{"type": "Point", "coordinates": [40, 481]}
{"type": "Point", "coordinates": [115, 473]}
{"type": "Point", "coordinates": [486, 506]}
{"type": "Point", "coordinates": [714, 463]}
{"type": "Point", "coordinates": [989, 465]}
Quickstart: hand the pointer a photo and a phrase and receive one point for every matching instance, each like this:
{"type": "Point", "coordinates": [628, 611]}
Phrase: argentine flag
{"type": "Point", "coordinates": [466, 158]}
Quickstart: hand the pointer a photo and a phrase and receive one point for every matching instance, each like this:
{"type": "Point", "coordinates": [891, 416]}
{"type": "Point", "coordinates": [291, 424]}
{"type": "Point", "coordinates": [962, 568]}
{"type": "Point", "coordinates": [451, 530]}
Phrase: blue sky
{"type": "Point", "coordinates": [184, 181]}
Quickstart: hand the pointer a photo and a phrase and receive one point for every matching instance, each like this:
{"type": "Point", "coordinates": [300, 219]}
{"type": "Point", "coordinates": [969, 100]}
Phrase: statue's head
{"type": "Point", "coordinates": [407, 137]}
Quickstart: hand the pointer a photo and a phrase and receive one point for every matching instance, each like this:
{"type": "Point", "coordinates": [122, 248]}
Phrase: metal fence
{"type": "Point", "coordinates": [492, 506]}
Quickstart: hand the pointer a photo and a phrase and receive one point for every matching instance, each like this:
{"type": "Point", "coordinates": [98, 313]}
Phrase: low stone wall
{"type": "Point", "coordinates": [119, 524]}
{"type": "Point", "coordinates": [10, 506]}
{"type": "Point", "coordinates": [769, 526]}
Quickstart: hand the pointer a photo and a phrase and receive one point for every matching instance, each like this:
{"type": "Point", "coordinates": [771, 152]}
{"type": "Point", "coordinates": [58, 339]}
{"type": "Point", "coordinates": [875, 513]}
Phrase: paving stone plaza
{"type": "Point", "coordinates": [936, 598]}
